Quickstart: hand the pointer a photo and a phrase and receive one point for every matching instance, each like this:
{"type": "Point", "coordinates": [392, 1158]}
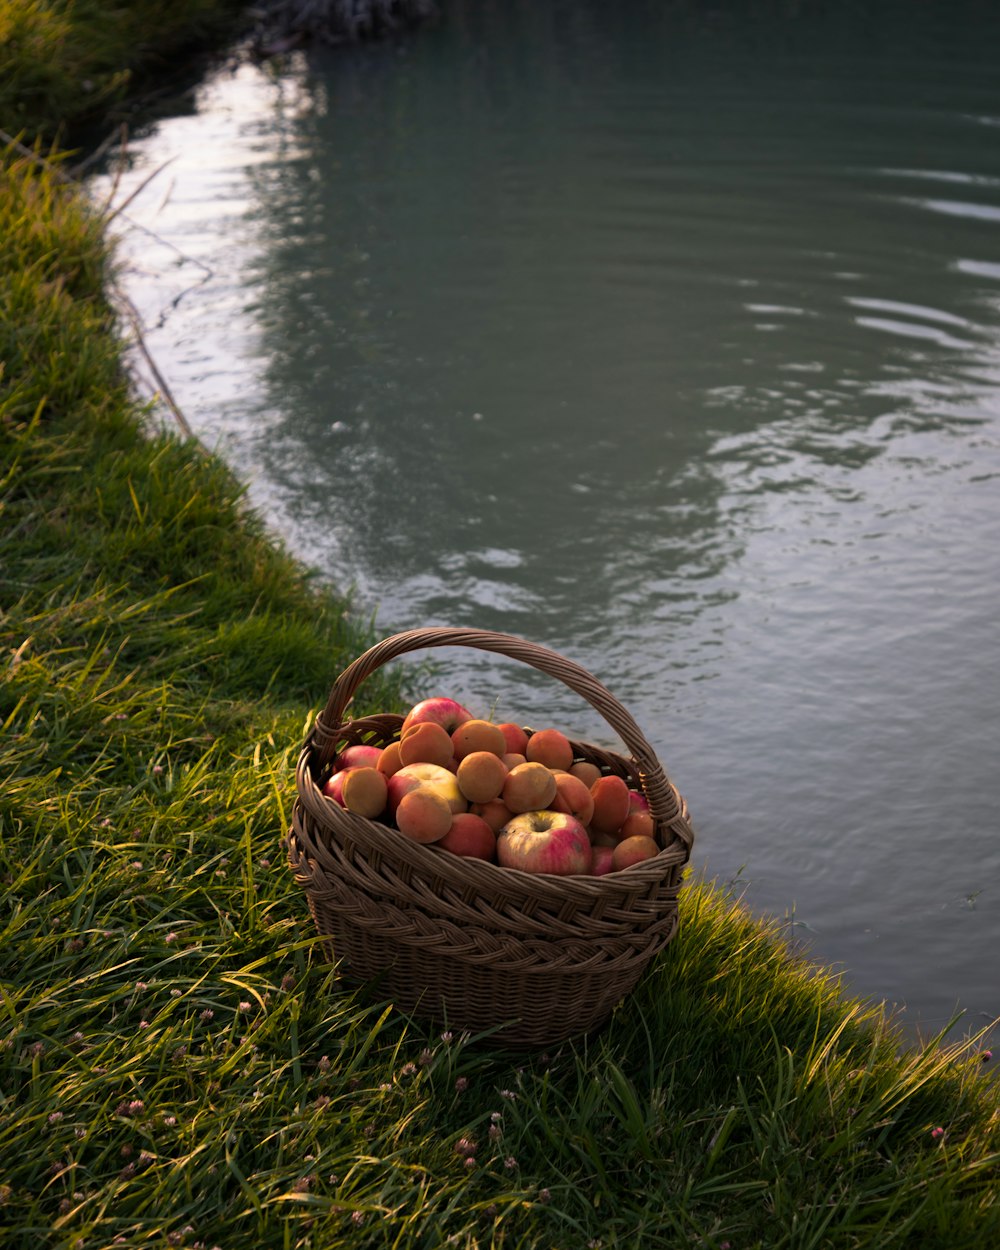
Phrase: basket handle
{"type": "Point", "coordinates": [665, 803]}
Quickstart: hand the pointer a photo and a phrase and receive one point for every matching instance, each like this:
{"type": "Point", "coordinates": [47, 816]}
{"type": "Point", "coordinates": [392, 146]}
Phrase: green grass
{"type": "Point", "coordinates": [66, 62]}
{"type": "Point", "coordinates": [179, 1066]}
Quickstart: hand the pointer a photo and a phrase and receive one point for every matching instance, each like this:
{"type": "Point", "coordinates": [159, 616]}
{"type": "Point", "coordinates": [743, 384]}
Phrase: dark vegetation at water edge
{"type": "Point", "coordinates": [285, 23]}
{"type": "Point", "coordinates": [66, 63]}
{"type": "Point", "coordinates": [178, 1065]}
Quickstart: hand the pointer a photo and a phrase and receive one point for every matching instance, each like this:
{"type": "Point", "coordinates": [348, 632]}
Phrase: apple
{"type": "Point", "coordinates": [637, 801]}
{"type": "Point", "coordinates": [440, 710]}
{"type": "Point", "coordinates": [412, 776]}
{"type": "Point", "coordinates": [545, 841]}
{"type": "Point", "coordinates": [515, 737]}
{"type": "Point", "coordinates": [360, 755]}
{"type": "Point", "coordinates": [333, 788]}
{"type": "Point", "coordinates": [602, 862]}
{"type": "Point", "coordinates": [471, 836]}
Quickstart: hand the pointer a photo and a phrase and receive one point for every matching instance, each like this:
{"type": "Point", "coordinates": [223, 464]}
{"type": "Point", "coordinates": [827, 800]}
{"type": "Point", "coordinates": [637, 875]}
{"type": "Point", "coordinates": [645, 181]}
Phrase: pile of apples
{"type": "Point", "coordinates": [495, 792]}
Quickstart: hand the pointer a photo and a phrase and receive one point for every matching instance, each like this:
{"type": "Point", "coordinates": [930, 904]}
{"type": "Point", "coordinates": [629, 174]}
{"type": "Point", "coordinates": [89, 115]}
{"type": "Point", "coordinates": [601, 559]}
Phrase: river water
{"type": "Point", "coordinates": [666, 337]}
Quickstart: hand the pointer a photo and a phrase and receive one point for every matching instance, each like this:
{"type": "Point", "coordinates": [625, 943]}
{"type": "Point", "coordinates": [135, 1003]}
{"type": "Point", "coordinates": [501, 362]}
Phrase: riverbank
{"type": "Point", "coordinates": [178, 1064]}
{"type": "Point", "coordinates": [65, 66]}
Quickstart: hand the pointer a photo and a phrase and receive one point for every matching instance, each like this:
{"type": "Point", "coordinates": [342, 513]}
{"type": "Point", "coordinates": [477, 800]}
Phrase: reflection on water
{"type": "Point", "coordinates": [672, 341]}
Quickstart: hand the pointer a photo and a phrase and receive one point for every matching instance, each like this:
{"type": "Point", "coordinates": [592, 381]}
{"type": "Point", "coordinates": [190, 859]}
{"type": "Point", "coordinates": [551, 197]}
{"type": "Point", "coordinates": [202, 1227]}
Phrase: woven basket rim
{"type": "Point", "coordinates": [467, 874]}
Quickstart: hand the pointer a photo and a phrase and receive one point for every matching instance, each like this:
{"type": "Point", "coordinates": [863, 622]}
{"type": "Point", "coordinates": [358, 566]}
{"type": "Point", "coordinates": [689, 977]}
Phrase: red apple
{"type": "Point", "coordinates": [471, 836]}
{"type": "Point", "coordinates": [334, 786]}
{"type": "Point", "coordinates": [515, 737]}
{"type": "Point", "coordinates": [440, 710]}
{"type": "Point", "coordinates": [637, 801]}
{"type": "Point", "coordinates": [360, 755]}
{"type": "Point", "coordinates": [602, 864]}
{"type": "Point", "coordinates": [545, 841]}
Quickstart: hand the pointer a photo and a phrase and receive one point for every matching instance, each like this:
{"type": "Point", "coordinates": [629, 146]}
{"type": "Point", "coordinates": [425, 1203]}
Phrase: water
{"type": "Point", "coordinates": [668, 339]}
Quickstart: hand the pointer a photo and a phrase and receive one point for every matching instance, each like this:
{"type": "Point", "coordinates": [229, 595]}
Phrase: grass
{"type": "Point", "coordinates": [64, 63]}
{"type": "Point", "coordinates": [179, 1066]}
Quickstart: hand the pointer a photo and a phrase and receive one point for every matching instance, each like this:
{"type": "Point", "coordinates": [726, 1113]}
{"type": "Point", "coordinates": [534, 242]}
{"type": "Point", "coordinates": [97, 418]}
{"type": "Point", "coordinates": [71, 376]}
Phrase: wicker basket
{"type": "Point", "coordinates": [462, 942]}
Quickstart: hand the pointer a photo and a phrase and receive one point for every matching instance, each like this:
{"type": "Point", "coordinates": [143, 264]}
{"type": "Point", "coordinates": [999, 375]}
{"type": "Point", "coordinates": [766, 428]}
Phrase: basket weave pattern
{"type": "Point", "coordinates": [464, 942]}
